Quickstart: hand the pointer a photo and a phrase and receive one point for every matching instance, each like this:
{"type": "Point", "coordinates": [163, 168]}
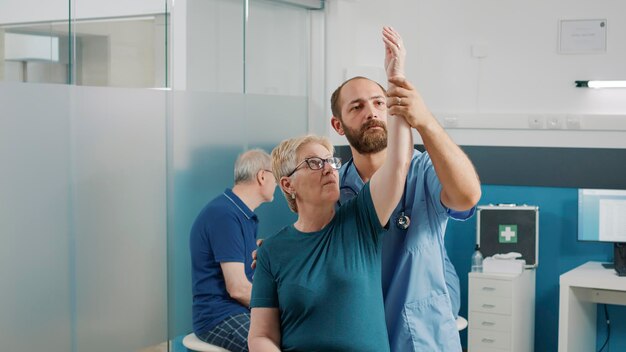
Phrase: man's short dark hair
{"type": "Point", "coordinates": [334, 99]}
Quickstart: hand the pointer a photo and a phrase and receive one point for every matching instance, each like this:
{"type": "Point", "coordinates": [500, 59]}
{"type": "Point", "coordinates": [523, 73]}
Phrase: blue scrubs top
{"type": "Point", "coordinates": [418, 307]}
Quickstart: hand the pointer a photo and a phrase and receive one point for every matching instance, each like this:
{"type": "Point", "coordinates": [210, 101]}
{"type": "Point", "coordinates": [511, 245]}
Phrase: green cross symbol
{"type": "Point", "coordinates": [508, 233]}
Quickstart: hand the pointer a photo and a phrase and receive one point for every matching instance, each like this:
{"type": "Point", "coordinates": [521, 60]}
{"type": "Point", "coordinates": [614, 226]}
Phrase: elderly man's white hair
{"type": "Point", "coordinates": [249, 163]}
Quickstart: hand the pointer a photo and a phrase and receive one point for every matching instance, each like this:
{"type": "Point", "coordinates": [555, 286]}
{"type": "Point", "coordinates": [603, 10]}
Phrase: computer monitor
{"type": "Point", "coordinates": [602, 217]}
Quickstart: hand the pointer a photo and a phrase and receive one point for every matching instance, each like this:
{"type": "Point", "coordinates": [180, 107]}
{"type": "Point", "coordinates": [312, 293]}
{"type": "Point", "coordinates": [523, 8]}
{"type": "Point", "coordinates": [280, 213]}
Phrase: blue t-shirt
{"type": "Point", "coordinates": [224, 231]}
{"type": "Point", "coordinates": [326, 284]}
{"type": "Point", "coordinates": [418, 307]}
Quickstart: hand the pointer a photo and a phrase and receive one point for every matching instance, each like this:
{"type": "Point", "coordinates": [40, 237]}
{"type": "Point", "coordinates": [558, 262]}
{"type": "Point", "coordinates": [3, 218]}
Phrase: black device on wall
{"type": "Point", "coordinates": [619, 258]}
{"type": "Point", "coordinates": [505, 228]}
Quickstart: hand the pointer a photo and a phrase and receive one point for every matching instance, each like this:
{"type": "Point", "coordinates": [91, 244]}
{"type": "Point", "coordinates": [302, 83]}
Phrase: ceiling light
{"type": "Point", "coordinates": [601, 84]}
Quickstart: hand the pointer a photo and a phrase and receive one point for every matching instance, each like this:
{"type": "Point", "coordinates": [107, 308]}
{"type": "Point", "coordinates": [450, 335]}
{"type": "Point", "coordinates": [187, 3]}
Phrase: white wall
{"type": "Point", "coordinates": [522, 75]}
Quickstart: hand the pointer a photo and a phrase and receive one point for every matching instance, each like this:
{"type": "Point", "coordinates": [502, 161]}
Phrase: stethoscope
{"type": "Point", "coordinates": [403, 221]}
{"type": "Point", "coordinates": [347, 192]}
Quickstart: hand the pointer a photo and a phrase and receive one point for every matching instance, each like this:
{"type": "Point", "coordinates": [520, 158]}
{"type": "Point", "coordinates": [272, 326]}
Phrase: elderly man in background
{"type": "Point", "coordinates": [221, 242]}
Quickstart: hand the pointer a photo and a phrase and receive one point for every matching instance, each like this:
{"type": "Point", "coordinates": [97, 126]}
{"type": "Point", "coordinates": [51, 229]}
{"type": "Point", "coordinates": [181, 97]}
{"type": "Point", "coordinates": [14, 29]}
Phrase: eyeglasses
{"type": "Point", "coordinates": [316, 163]}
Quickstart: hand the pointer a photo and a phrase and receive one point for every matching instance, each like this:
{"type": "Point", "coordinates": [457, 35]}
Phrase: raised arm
{"type": "Point", "coordinates": [387, 184]}
{"type": "Point", "coordinates": [459, 181]}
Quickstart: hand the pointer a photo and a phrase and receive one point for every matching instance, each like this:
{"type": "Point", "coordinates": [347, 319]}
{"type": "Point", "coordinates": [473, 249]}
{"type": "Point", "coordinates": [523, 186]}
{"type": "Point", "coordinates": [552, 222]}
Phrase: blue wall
{"type": "Point", "coordinates": [559, 251]}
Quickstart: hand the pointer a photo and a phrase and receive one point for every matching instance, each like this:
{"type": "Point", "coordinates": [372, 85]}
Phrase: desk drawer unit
{"type": "Point", "coordinates": [491, 322]}
{"type": "Point", "coordinates": [482, 339]}
{"type": "Point", "coordinates": [491, 287]}
{"type": "Point", "coordinates": [487, 304]}
{"type": "Point", "coordinates": [501, 312]}
{"type": "Point", "coordinates": [492, 350]}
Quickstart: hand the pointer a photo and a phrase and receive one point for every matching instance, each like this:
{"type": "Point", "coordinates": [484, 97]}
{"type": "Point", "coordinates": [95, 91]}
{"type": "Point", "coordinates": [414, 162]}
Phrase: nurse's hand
{"type": "Point", "coordinates": [405, 101]}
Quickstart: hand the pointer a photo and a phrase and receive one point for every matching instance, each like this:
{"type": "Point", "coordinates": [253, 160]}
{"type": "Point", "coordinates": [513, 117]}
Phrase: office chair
{"type": "Point", "coordinates": [461, 323]}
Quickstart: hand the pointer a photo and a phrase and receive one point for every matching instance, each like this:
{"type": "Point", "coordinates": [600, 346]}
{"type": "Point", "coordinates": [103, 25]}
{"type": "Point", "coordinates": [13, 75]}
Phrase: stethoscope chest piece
{"type": "Point", "coordinates": [403, 221]}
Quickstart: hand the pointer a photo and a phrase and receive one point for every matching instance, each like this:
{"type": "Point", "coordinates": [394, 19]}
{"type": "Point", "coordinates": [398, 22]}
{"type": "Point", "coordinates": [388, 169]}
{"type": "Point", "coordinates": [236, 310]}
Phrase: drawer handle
{"type": "Point", "coordinates": [488, 323]}
{"type": "Point", "coordinates": [486, 340]}
{"type": "Point", "coordinates": [488, 306]}
{"type": "Point", "coordinates": [486, 288]}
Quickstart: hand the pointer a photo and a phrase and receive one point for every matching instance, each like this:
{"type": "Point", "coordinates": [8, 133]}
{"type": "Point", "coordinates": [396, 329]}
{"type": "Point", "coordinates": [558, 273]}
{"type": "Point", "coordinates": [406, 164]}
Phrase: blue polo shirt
{"type": "Point", "coordinates": [418, 308]}
{"type": "Point", "coordinates": [224, 231]}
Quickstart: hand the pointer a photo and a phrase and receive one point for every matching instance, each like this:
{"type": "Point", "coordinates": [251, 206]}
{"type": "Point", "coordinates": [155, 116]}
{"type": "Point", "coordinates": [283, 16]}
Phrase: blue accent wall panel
{"type": "Point", "coordinates": [559, 252]}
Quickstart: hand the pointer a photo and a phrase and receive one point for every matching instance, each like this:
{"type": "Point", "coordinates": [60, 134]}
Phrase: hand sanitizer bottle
{"type": "Point", "coordinates": [477, 260]}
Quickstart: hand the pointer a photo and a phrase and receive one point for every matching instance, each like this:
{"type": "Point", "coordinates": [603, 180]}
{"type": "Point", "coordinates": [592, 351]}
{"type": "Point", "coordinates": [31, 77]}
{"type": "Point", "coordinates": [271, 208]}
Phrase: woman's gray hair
{"type": "Point", "coordinates": [285, 159]}
{"type": "Point", "coordinates": [249, 163]}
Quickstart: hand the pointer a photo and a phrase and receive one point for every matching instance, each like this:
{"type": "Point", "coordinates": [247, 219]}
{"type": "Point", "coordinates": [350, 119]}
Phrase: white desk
{"type": "Point", "coordinates": [580, 290]}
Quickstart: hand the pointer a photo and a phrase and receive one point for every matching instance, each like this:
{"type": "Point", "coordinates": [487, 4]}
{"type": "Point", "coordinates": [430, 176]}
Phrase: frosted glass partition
{"type": "Point", "coordinates": [264, 50]}
{"type": "Point", "coordinates": [119, 213]}
{"type": "Point", "coordinates": [35, 306]}
{"type": "Point", "coordinates": [82, 218]}
{"type": "Point", "coordinates": [214, 45]}
{"type": "Point", "coordinates": [208, 131]}
{"type": "Point", "coordinates": [100, 187]}
{"type": "Point", "coordinates": [279, 65]}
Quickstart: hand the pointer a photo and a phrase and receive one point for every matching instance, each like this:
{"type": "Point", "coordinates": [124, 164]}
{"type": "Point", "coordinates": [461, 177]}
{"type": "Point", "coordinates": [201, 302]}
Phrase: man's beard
{"type": "Point", "coordinates": [367, 142]}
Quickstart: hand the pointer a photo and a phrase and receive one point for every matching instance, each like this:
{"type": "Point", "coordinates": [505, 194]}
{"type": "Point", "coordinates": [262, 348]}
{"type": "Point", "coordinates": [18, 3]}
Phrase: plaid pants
{"type": "Point", "coordinates": [231, 334]}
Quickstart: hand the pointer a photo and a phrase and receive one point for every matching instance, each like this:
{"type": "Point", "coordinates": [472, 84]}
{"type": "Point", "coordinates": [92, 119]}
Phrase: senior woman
{"type": "Point", "coordinates": [317, 282]}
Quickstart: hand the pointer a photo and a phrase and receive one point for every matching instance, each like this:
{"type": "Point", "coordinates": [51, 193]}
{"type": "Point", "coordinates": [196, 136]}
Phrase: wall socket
{"type": "Point", "coordinates": [536, 122]}
{"type": "Point", "coordinates": [555, 122]}
{"type": "Point", "coordinates": [572, 122]}
{"type": "Point", "coordinates": [451, 121]}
